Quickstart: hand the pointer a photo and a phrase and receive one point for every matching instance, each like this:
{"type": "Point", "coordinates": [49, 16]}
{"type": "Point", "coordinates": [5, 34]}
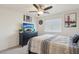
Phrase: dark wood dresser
{"type": "Point", "coordinates": [25, 36]}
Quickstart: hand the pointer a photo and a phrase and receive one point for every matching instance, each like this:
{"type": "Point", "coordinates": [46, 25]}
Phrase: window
{"type": "Point", "coordinates": [54, 25]}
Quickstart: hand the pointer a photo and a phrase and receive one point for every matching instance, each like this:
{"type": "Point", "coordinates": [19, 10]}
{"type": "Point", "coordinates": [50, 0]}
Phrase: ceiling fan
{"type": "Point", "coordinates": [41, 9]}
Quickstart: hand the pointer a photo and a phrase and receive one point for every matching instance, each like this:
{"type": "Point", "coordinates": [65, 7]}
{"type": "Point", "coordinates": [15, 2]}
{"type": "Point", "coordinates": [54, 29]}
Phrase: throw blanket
{"type": "Point", "coordinates": [52, 44]}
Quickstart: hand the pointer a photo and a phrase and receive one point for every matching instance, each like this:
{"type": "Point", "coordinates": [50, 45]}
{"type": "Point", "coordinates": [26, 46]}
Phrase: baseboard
{"type": "Point", "coordinates": [10, 48]}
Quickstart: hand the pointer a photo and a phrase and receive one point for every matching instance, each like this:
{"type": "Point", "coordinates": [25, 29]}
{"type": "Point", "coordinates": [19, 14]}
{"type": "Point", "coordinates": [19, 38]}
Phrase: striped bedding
{"type": "Point", "coordinates": [52, 44]}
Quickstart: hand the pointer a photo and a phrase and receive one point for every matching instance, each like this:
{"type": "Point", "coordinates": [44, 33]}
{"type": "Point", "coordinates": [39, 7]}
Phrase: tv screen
{"type": "Point", "coordinates": [28, 26]}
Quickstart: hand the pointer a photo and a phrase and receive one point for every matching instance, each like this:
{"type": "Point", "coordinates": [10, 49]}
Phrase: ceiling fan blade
{"type": "Point", "coordinates": [48, 8]}
{"type": "Point", "coordinates": [35, 6]}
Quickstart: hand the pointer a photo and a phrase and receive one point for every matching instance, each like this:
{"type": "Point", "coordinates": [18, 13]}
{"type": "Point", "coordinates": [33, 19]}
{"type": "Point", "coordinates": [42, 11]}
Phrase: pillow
{"type": "Point", "coordinates": [75, 38]}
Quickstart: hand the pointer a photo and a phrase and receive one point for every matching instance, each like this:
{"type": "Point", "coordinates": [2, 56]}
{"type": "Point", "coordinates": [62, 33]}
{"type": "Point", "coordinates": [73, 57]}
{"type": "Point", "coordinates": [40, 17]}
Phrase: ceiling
{"type": "Point", "coordinates": [57, 8]}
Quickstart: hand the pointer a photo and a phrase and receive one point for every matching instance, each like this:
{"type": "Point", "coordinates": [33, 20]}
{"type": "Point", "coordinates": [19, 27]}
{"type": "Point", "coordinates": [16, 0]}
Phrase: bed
{"type": "Point", "coordinates": [52, 44]}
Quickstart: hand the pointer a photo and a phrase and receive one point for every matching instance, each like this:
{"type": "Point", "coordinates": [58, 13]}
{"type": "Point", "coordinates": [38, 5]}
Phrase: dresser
{"type": "Point", "coordinates": [25, 36]}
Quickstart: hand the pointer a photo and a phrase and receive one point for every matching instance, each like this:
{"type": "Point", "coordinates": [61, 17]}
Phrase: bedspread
{"type": "Point", "coordinates": [52, 44]}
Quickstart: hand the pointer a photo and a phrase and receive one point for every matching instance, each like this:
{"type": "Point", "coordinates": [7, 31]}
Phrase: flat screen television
{"type": "Point", "coordinates": [28, 26]}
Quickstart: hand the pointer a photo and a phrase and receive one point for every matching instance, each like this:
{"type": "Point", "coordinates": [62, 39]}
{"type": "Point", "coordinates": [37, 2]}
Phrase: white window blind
{"type": "Point", "coordinates": [54, 25]}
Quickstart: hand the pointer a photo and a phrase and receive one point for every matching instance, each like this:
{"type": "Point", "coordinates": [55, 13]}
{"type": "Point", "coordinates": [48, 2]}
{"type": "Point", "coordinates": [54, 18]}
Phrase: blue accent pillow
{"type": "Point", "coordinates": [75, 38]}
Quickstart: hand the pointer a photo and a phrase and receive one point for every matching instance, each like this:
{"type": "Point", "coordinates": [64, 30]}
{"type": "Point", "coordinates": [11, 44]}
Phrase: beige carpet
{"type": "Point", "coordinates": [16, 50]}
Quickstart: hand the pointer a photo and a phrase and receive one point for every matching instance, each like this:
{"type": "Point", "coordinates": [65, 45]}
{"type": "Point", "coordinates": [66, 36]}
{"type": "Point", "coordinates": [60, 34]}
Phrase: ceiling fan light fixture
{"type": "Point", "coordinates": [40, 12]}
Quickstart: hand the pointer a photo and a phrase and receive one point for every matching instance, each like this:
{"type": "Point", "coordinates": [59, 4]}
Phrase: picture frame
{"type": "Point", "coordinates": [27, 18]}
{"type": "Point", "coordinates": [70, 20]}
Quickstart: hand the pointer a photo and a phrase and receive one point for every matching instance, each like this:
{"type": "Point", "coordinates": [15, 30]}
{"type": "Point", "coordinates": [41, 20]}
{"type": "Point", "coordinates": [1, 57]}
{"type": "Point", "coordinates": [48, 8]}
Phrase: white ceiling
{"type": "Point", "coordinates": [57, 8]}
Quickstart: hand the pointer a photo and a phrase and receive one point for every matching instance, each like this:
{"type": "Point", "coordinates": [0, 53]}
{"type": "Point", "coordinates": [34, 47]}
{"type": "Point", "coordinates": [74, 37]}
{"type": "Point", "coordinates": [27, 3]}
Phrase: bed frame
{"type": "Point", "coordinates": [29, 52]}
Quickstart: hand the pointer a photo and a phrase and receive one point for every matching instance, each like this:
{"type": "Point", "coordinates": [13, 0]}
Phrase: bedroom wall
{"type": "Point", "coordinates": [65, 31]}
{"type": "Point", "coordinates": [10, 20]}
{"type": "Point", "coordinates": [9, 25]}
